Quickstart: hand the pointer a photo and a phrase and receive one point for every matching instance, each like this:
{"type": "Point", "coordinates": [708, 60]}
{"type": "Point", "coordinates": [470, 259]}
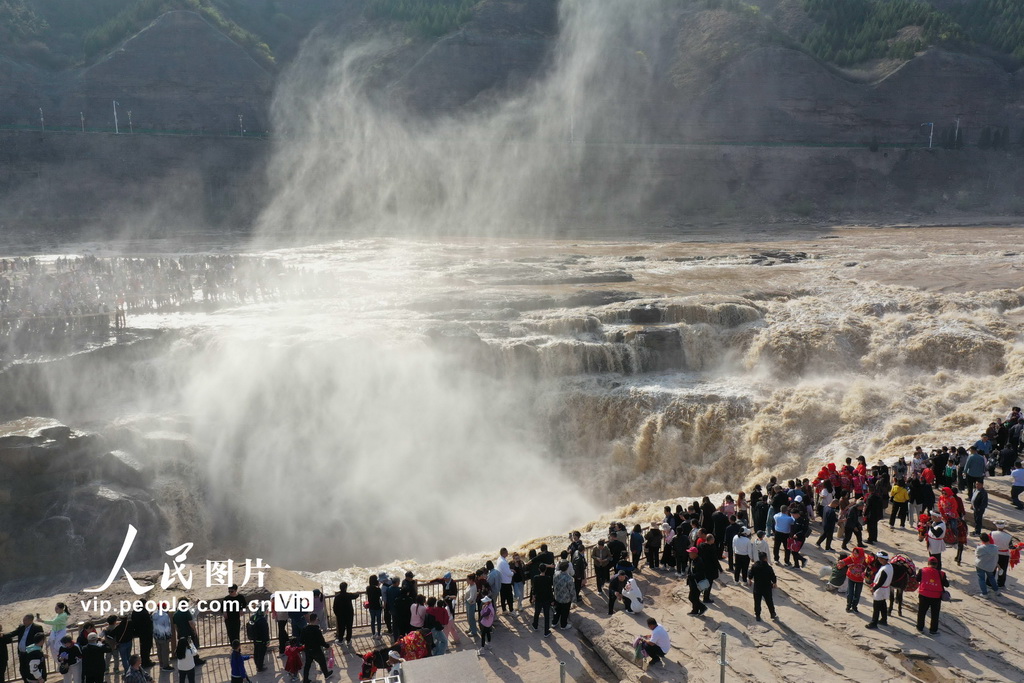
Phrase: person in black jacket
{"type": "Point", "coordinates": [258, 630]}
{"type": "Point", "coordinates": [709, 555]}
{"type": "Point", "coordinates": [829, 518]}
{"type": "Point", "coordinates": [24, 636]}
{"type": "Point", "coordinates": [979, 503]}
{"type": "Point", "coordinates": [852, 526]}
{"type": "Point", "coordinates": [762, 578]}
{"type": "Point", "coordinates": [731, 532]}
{"type": "Point", "coordinates": [120, 630]}
{"type": "Point", "coordinates": [5, 640]}
{"type": "Point", "coordinates": [232, 606]}
{"type": "Point", "coordinates": [543, 596]}
{"type": "Point", "coordinates": [94, 663]}
{"type": "Point", "coordinates": [35, 660]}
{"type": "Point", "coordinates": [344, 614]}
{"type": "Point", "coordinates": [874, 511]}
{"type": "Point", "coordinates": [760, 515]}
{"type": "Point", "coordinates": [719, 523]}
{"type": "Point", "coordinates": [695, 573]}
{"type": "Point", "coordinates": [313, 639]}
{"type": "Point", "coordinates": [707, 509]}
{"type": "Point", "coordinates": [142, 624]}
{"type": "Point", "coordinates": [798, 535]}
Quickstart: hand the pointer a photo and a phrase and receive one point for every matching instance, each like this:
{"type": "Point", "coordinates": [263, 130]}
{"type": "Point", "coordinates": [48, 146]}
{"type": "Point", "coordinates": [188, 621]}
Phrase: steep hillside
{"type": "Point", "coordinates": [179, 74]}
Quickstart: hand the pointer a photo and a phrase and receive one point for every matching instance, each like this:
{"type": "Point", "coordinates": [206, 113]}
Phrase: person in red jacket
{"type": "Point", "coordinates": [856, 566]}
{"type": "Point", "coordinates": [933, 582]}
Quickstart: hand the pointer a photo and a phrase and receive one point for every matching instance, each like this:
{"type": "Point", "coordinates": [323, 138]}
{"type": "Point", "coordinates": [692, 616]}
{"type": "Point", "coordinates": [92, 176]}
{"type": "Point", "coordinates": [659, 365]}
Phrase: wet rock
{"type": "Point", "coordinates": [849, 264]}
{"type": "Point", "coordinates": [595, 298]}
{"type": "Point", "coordinates": [633, 258]}
{"type": "Point", "coordinates": [645, 315]}
{"type": "Point", "coordinates": [69, 497]}
{"type": "Point", "coordinates": [123, 467]}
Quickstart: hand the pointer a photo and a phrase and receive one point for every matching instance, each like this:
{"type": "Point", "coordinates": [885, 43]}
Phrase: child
{"type": "Point", "coordinates": [35, 660]}
{"type": "Point", "coordinates": [486, 622]}
{"type": "Point", "coordinates": [440, 640]}
{"type": "Point", "coordinates": [238, 663]}
{"type": "Point", "coordinates": [293, 658]}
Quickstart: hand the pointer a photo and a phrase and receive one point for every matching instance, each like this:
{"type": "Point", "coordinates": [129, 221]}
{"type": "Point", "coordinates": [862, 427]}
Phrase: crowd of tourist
{"type": "Point", "coordinates": [46, 304]}
{"type": "Point", "coordinates": [940, 494]}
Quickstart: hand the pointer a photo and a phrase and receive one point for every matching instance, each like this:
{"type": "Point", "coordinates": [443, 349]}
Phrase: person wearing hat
{"type": "Point", "coordinates": [1003, 541]}
{"type": "Point", "coordinates": [882, 587]}
{"type": "Point", "coordinates": [487, 623]}
{"type": "Point", "coordinates": [829, 517]}
{"type": "Point", "coordinates": [395, 662]}
{"type": "Point", "coordinates": [697, 581]}
{"type": "Point", "coordinates": [94, 659]}
{"type": "Point", "coordinates": [759, 544]}
{"type": "Point", "coordinates": [741, 554]}
{"type": "Point", "coordinates": [450, 589]}
{"type": "Point", "coordinates": [932, 582]}
{"type": "Point", "coordinates": [935, 541]}
{"type": "Point", "coordinates": [856, 567]}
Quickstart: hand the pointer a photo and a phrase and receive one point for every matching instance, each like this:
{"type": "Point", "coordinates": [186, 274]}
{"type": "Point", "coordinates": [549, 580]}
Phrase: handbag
{"type": "Point", "coordinates": [703, 585]}
{"type": "Point", "coordinates": [946, 597]}
{"type": "Point", "coordinates": [794, 545]}
{"type": "Point", "coordinates": [331, 662]}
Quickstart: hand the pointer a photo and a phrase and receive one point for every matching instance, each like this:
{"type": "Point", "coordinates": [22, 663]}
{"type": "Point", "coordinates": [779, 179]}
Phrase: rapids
{"type": "Point", "coordinates": [435, 398]}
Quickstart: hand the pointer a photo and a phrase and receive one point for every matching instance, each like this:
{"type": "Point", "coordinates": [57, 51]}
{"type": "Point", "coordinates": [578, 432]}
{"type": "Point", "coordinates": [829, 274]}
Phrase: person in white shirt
{"type": "Point", "coordinates": [937, 542]}
{"type": "Point", "coordinates": [741, 548]}
{"type": "Point", "coordinates": [1002, 541]}
{"type": "Point", "coordinates": [656, 644]}
{"type": "Point", "coordinates": [1017, 485]}
{"type": "Point", "coordinates": [505, 571]}
{"type": "Point", "coordinates": [881, 586]}
{"type": "Point", "coordinates": [759, 545]}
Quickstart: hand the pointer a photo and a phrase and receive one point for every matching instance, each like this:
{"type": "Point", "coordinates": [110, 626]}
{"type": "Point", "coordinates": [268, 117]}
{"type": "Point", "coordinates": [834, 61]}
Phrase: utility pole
{"type": "Point", "coordinates": [81, 115]}
{"type": "Point", "coordinates": [131, 129]}
{"type": "Point", "coordinates": [956, 134]}
{"type": "Point", "coordinates": [931, 133]}
{"type": "Point", "coordinates": [116, 131]}
{"type": "Point", "coordinates": [241, 131]}
{"type": "Point", "coordinates": [42, 124]}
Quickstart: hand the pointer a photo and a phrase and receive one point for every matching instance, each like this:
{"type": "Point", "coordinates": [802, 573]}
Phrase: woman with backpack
{"type": "Point", "coordinates": [185, 658]}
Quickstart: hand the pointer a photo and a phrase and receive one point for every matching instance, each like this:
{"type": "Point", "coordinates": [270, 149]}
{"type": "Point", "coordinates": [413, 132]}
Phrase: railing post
{"type": "Point", "coordinates": [722, 662]}
{"type": "Point", "coordinates": [561, 672]}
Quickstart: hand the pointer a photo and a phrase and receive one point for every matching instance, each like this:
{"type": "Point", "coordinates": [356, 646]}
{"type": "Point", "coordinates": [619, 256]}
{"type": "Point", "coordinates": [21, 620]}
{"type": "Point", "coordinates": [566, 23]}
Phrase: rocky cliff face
{"type": "Point", "coordinates": [703, 76]}
{"type": "Point", "coordinates": [68, 496]}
